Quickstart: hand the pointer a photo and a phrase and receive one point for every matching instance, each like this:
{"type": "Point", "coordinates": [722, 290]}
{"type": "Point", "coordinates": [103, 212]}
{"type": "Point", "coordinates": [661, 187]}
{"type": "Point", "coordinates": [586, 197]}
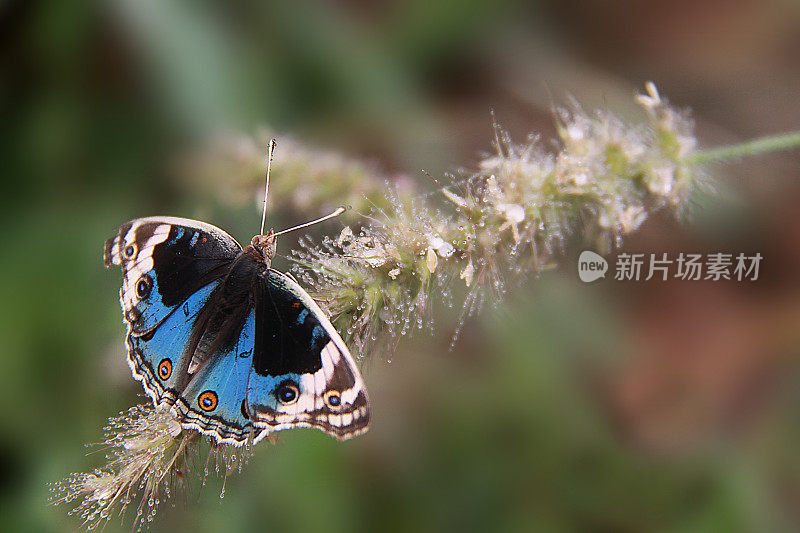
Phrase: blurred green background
{"type": "Point", "coordinates": [658, 406]}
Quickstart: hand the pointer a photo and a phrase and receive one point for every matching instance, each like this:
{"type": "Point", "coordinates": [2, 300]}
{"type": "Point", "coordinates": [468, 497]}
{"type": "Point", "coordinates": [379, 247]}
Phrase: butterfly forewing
{"type": "Point", "coordinates": [164, 260]}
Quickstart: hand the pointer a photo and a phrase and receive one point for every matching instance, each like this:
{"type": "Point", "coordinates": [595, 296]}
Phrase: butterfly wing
{"type": "Point", "coordinates": [164, 260]}
{"type": "Point", "coordinates": [302, 373]}
{"type": "Point", "coordinates": [159, 357]}
{"type": "Point", "coordinates": [170, 267]}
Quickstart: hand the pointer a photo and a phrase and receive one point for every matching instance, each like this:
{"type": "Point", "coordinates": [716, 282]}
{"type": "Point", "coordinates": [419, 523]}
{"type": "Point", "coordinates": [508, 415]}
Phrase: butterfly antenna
{"type": "Point", "coordinates": [335, 213]}
{"type": "Point", "coordinates": [270, 152]}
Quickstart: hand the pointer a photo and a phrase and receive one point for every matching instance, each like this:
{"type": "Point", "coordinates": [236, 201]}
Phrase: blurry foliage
{"type": "Point", "coordinates": [509, 431]}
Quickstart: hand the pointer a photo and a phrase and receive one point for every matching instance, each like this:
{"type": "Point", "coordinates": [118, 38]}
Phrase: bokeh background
{"type": "Point", "coordinates": [657, 406]}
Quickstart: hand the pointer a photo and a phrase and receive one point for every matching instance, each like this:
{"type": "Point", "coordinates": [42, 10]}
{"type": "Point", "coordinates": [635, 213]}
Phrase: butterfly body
{"type": "Point", "coordinates": [236, 349]}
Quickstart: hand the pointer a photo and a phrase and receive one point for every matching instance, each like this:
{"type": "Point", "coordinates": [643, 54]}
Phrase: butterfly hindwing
{"type": "Point", "coordinates": [214, 400]}
{"type": "Point", "coordinates": [160, 357]}
{"type": "Point", "coordinates": [303, 375]}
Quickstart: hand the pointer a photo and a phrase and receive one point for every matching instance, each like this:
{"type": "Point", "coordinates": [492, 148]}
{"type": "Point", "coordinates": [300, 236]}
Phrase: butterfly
{"type": "Point", "coordinates": [235, 348]}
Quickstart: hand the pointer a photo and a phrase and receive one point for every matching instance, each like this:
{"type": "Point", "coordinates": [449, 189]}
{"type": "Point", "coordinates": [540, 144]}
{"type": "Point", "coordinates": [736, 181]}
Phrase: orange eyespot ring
{"type": "Point", "coordinates": [333, 399]}
{"type": "Point", "coordinates": [165, 369]}
{"type": "Point", "coordinates": [207, 400]}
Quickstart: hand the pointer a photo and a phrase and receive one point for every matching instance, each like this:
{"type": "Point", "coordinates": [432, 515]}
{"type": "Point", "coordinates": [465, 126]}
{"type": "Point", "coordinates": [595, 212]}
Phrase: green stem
{"type": "Point", "coordinates": [764, 145]}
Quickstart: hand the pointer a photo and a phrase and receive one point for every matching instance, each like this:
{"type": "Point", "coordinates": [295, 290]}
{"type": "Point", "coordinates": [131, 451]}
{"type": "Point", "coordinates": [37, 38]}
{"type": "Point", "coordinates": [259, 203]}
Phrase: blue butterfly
{"type": "Point", "coordinates": [234, 347]}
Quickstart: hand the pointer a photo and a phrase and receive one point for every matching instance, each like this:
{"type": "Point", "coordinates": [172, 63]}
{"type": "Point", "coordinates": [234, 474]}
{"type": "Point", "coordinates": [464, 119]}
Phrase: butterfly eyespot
{"type": "Point", "coordinates": [130, 251]}
{"type": "Point", "coordinates": [333, 399]}
{"type": "Point", "coordinates": [133, 314]}
{"type": "Point", "coordinates": [287, 393]}
{"type": "Point", "coordinates": [165, 369]}
{"type": "Point", "coordinates": [143, 286]}
{"type": "Point", "coordinates": [207, 400]}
